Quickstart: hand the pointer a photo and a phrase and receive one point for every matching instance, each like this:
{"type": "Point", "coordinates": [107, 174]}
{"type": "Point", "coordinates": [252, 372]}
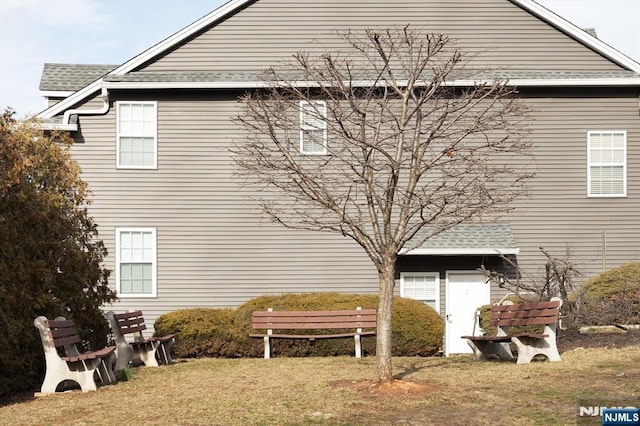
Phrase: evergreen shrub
{"type": "Point", "coordinates": [417, 329]}
{"type": "Point", "coordinates": [612, 297]}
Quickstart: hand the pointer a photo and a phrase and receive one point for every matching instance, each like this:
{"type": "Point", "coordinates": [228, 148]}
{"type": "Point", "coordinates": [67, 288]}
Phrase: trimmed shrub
{"type": "Point", "coordinates": [612, 297]}
{"type": "Point", "coordinates": [417, 329]}
{"type": "Point", "coordinates": [203, 333]}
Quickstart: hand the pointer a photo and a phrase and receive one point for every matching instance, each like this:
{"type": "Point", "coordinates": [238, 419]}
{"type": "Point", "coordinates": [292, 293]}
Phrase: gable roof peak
{"type": "Point", "coordinates": [233, 6]}
{"type": "Point", "coordinates": [582, 36]}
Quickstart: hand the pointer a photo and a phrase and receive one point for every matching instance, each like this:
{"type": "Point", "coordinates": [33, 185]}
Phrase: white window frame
{"type": "Point", "coordinates": [436, 275]}
{"type": "Point", "coordinates": [622, 164]}
{"type": "Point", "coordinates": [153, 134]}
{"type": "Point", "coordinates": [154, 262]}
{"type": "Point", "coordinates": [321, 107]}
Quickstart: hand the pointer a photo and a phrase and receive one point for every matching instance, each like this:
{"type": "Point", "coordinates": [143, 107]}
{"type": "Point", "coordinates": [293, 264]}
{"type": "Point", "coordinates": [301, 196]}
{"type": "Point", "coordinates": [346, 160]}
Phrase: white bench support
{"type": "Point", "coordinates": [529, 347]}
{"type": "Point", "coordinates": [75, 366]}
{"type": "Point", "coordinates": [144, 349]}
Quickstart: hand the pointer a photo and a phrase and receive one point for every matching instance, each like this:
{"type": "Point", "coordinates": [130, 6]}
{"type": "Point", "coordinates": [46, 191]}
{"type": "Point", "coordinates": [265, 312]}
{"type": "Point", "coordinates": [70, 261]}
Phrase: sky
{"type": "Point", "coordinates": [33, 32]}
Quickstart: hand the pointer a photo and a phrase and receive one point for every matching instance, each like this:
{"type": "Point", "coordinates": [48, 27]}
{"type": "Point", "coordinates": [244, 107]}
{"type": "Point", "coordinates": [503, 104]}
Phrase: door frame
{"type": "Point", "coordinates": [448, 300]}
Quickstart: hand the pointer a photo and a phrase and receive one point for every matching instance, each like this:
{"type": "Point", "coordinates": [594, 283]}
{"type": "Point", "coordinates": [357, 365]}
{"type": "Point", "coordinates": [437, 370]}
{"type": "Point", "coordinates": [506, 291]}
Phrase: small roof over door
{"type": "Point", "coordinates": [467, 239]}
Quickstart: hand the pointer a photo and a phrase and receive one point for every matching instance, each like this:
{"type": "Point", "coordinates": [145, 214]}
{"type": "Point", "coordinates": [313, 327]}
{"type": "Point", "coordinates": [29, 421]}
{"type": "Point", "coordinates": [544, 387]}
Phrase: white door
{"type": "Point", "coordinates": [465, 293]}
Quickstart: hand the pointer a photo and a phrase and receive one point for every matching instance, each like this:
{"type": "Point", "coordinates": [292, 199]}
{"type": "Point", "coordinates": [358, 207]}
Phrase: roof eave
{"type": "Point", "coordinates": [575, 82]}
{"type": "Point", "coordinates": [72, 127]}
{"type": "Point", "coordinates": [56, 93]}
{"type": "Point", "coordinates": [462, 251]}
{"type": "Point", "coordinates": [71, 100]}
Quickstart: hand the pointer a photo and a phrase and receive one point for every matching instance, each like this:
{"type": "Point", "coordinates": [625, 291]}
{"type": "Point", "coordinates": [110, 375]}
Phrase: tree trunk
{"type": "Point", "coordinates": [384, 368]}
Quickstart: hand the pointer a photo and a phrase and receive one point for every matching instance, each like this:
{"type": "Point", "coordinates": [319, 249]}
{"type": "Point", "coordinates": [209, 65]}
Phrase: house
{"type": "Point", "coordinates": [153, 137]}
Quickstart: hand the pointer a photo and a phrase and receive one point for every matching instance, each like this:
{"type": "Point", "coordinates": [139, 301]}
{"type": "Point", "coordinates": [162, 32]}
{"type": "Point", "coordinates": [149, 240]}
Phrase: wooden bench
{"type": "Point", "coordinates": [528, 344]}
{"type": "Point", "coordinates": [69, 364]}
{"type": "Point", "coordinates": [356, 319]}
{"type": "Point", "coordinates": [152, 351]}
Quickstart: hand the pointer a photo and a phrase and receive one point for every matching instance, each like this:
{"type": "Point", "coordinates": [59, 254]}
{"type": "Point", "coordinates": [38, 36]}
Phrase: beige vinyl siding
{"type": "Point", "coordinates": [213, 246]}
{"type": "Point", "coordinates": [215, 249]}
{"type": "Point", "coordinates": [268, 31]}
{"type": "Point", "coordinates": [559, 215]}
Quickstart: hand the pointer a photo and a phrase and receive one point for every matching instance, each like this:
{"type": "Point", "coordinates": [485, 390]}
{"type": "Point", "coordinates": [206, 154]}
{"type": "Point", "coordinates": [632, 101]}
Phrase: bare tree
{"type": "Point", "coordinates": [558, 281]}
{"type": "Point", "coordinates": [388, 141]}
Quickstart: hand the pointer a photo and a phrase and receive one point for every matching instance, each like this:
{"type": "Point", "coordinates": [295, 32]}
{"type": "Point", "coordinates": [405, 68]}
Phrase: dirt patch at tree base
{"type": "Point", "coordinates": [402, 388]}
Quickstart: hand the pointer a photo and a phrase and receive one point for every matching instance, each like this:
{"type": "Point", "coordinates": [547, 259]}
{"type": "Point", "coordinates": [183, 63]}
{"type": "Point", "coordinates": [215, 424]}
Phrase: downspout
{"type": "Point", "coordinates": [104, 94]}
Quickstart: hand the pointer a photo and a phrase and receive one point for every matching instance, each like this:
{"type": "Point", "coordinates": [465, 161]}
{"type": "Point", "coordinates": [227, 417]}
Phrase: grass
{"type": "Point", "coordinates": [338, 391]}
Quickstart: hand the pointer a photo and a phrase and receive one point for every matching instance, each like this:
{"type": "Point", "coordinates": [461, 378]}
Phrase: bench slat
{"type": "Point", "coordinates": [308, 320]}
{"type": "Point", "coordinates": [317, 318]}
{"type": "Point", "coordinates": [127, 315]}
{"type": "Point", "coordinates": [63, 332]}
{"type": "Point", "coordinates": [313, 336]}
{"type": "Point", "coordinates": [348, 312]}
{"type": "Point", "coordinates": [102, 353]}
{"type": "Point", "coordinates": [525, 314]}
{"type": "Point", "coordinates": [311, 326]}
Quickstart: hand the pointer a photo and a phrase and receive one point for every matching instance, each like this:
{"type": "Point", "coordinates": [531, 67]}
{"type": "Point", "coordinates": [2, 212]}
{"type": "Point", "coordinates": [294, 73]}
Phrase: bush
{"type": "Point", "coordinates": [51, 260]}
{"type": "Point", "coordinates": [203, 333]}
{"type": "Point", "coordinates": [612, 297]}
{"type": "Point", "coordinates": [416, 328]}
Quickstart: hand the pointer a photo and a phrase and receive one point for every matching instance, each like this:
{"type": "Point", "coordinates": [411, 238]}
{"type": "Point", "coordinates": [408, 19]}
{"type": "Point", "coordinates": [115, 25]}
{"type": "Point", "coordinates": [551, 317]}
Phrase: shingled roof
{"type": "Point", "coordinates": [70, 77]}
{"type": "Point", "coordinates": [253, 76]}
{"type": "Point", "coordinates": [487, 239]}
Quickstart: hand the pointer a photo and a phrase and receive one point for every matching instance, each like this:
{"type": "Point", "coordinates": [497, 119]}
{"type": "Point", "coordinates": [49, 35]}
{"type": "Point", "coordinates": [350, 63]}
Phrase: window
{"type": "Point", "coordinates": [421, 286]}
{"type": "Point", "coordinates": [136, 135]}
{"type": "Point", "coordinates": [607, 164]}
{"type": "Point", "coordinates": [136, 262]}
{"type": "Point", "coordinates": [313, 127]}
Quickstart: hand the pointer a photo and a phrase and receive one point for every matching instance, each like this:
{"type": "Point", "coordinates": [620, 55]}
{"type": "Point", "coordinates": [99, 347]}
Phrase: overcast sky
{"type": "Point", "coordinates": [33, 32]}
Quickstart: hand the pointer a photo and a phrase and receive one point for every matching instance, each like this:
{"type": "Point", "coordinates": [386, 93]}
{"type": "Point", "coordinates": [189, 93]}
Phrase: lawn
{"type": "Point", "coordinates": [338, 391]}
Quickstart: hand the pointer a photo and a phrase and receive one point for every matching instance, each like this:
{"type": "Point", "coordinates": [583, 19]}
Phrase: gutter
{"type": "Point", "coordinates": [104, 94]}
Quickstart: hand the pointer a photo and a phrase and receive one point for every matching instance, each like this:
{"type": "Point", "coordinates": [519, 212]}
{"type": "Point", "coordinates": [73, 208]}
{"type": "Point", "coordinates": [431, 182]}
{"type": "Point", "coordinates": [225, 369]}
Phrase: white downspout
{"type": "Point", "coordinates": [104, 94]}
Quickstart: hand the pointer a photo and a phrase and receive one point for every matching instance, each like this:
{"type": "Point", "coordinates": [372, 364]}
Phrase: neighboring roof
{"type": "Point", "coordinates": [487, 239]}
{"type": "Point", "coordinates": [233, 6]}
{"type": "Point", "coordinates": [70, 77]}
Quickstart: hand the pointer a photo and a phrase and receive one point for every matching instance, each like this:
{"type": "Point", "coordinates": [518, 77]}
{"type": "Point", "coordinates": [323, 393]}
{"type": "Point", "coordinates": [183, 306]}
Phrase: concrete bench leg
{"type": "Point", "coordinates": [483, 350]}
{"type": "Point", "coordinates": [147, 353]}
{"type": "Point", "coordinates": [529, 347]}
{"type": "Point", "coordinates": [358, 346]}
{"type": "Point", "coordinates": [125, 355]}
{"type": "Point", "coordinates": [105, 369]}
{"type": "Point", "coordinates": [267, 347]}
{"type": "Point", "coordinates": [164, 352]}
{"type": "Point", "coordinates": [53, 377]}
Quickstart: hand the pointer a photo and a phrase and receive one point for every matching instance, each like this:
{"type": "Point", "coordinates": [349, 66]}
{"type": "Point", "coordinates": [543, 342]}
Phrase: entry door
{"type": "Point", "coordinates": [465, 293]}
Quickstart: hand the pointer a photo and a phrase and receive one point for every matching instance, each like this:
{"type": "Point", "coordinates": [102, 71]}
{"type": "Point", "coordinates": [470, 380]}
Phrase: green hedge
{"type": "Point", "coordinates": [612, 297]}
{"type": "Point", "coordinates": [417, 329]}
